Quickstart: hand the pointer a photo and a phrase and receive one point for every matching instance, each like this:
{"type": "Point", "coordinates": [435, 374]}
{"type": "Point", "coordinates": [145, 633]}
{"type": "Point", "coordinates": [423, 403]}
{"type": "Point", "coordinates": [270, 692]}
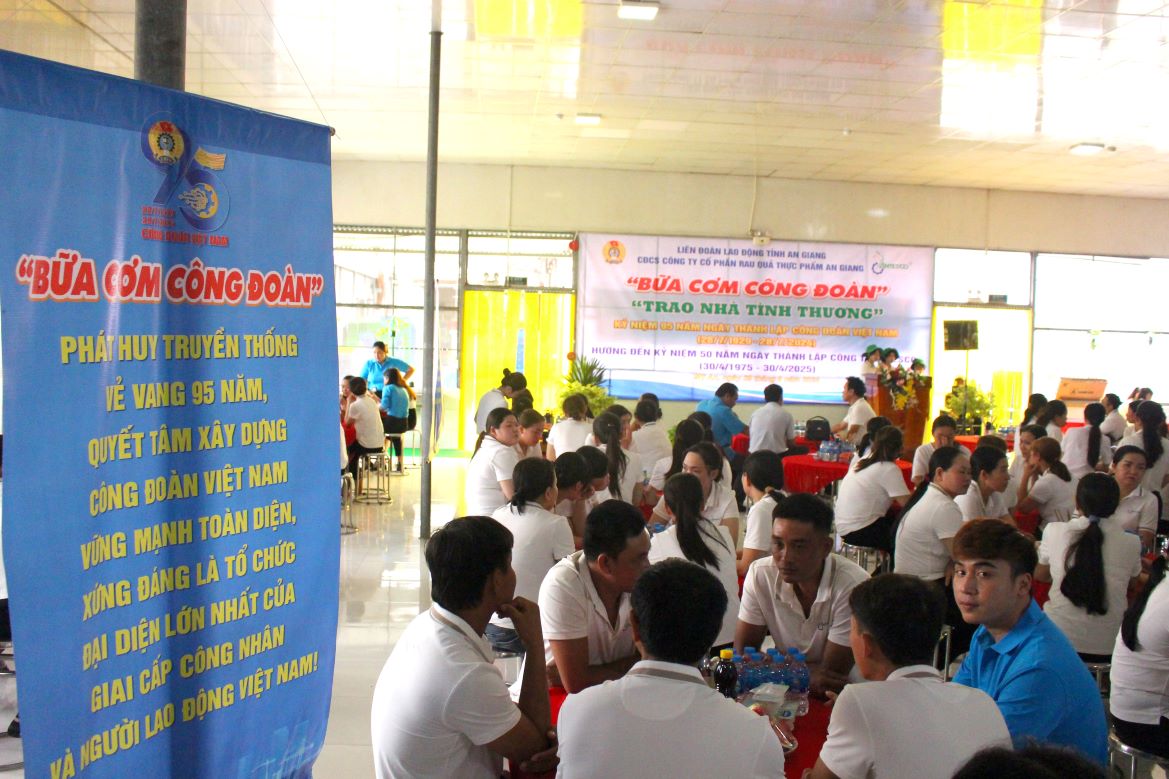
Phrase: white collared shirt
{"type": "Point", "coordinates": [568, 435]}
{"type": "Point", "coordinates": [363, 413]}
{"type": "Point", "coordinates": [919, 550]}
{"type": "Point", "coordinates": [873, 725]}
{"type": "Point", "coordinates": [759, 523]}
{"type": "Point", "coordinates": [651, 443]}
{"type": "Point", "coordinates": [771, 602]}
{"type": "Point", "coordinates": [571, 608]}
{"type": "Point", "coordinates": [719, 505]}
{"type": "Point", "coordinates": [438, 701]}
{"type": "Point", "coordinates": [772, 426]}
{"type": "Point", "coordinates": [1055, 499]}
{"type": "Point", "coordinates": [1075, 452]}
{"type": "Point", "coordinates": [540, 539]}
{"type": "Point", "coordinates": [1113, 426]}
{"type": "Point", "coordinates": [492, 464]}
{"type": "Point", "coordinates": [665, 546]}
{"type": "Point", "coordinates": [1140, 680]}
{"type": "Point", "coordinates": [866, 494]}
{"type": "Point", "coordinates": [661, 719]}
{"type": "Point", "coordinates": [859, 413]}
{"type": "Point", "coordinates": [631, 477]}
{"type": "Point", "coordinates": [973, 506]}
{"type": "Point", "coordinates": [1137, 511]}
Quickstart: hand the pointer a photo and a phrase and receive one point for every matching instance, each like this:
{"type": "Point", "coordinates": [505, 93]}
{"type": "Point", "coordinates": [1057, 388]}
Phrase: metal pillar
{"type": "Point", "coordinates": [428, 312]}
{"type": "Point", "coordinates": [160, 42]}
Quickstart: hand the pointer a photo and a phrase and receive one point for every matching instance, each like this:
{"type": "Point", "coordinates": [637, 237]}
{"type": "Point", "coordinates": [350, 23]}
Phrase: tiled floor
{"type": "Point", "coordinates": [381, 591]}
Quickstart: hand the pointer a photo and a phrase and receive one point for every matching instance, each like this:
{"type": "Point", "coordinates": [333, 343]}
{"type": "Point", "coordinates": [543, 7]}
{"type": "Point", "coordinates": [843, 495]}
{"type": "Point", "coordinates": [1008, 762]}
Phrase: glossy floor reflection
{"type": "Point", "coordinates": [381, 591]}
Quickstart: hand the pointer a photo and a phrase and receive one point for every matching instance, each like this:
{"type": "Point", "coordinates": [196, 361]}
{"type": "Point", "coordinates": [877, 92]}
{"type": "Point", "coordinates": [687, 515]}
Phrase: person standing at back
{"type": "Point", "coordinates": [773, 429]}
{"type": "Point", "coordinates": [498, 397]}
{"type": "Point", "coordinates": [374, 371]}
{"type": "Point", "coordinates": [725, 425]}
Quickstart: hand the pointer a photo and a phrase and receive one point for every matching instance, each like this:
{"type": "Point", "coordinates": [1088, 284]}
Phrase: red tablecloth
{"type": "Point", "coordinates": [804, 473]}
{"type": "Point", "coordinates": [742, 443]}
{"type": "Point", "coordinates": [971, 441]}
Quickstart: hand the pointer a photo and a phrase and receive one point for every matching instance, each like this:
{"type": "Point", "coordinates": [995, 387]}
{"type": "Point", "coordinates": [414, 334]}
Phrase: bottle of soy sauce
{"type": "Point", "coordinates": [726, 676]}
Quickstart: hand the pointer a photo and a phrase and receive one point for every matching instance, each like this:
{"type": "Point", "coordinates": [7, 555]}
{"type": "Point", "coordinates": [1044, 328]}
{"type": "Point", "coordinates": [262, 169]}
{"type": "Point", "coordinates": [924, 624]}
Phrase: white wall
{"type": "Point", "coordinates": [585, 200]}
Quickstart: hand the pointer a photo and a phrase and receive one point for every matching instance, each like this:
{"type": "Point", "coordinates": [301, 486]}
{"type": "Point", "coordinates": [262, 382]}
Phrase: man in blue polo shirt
{"type": "Point", "coordinates": [1018, 656]}
{"type": "Point", "coordinates": [725, 425]}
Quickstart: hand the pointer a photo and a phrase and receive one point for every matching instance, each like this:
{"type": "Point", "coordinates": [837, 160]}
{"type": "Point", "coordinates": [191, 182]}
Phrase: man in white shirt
{"type": "Point", "coordinates": [944, 429]}
{"type": "Point", "coordinates": [362, 412]}
{"type": "Point", "coordinates": [773, 429]}
{"type": "Point", "coordinates": [662, 716]}
{"type": "Point", "coordinates": [800, 593]}
{"type": "Point", "coordinates": [440, 707]}
{"type": "Point", "coordinates": [896, 620]}
{"type": "Point", "coordinates": [584, 600]}
{"type": "Point", "coordinates": [852, 428]}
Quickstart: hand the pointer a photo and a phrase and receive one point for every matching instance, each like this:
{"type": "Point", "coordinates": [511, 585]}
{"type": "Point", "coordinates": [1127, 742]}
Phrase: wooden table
{"type": "Point", "coordinates": [804, 473]}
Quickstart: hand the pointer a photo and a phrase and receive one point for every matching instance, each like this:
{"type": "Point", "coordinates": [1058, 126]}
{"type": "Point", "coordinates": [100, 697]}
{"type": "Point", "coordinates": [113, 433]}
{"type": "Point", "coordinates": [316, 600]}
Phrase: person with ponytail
{"type": "Point", "coordinates": [931, 519]}
{"type": "Point", "coordinates": [625, 475]}
{"type": "Point", "coordinates": [988, 481]}
{"type": "Point", "coordinates": [1137, 512]}
{"type": "Point", "coordinates": [688, 433]}
{"type": "Point", "coordinates": [498, 397]}
{"type": "Point", "coordinates": [1026, 436]}
{"type": "Point", "coordinates": [1139, 700]}
{"type": "Point", "coordinates": [1151, 438]}
{"type": "Point", "coordinates": [650, 440]}
{"type": "Point", "coordinates": [871, 492]}
{"type": "Point", "coordinates": [569, 433]}
{"type": "Point", "coordinates": [540, 540]}
{"type": "Point", "coordinates": [574, 491]}
{"type": "Point", "coordinates": [1087, 449]}
{"type": "Point", "coordinates": [489, 485]}
{"type": "Point", "coordinates": [693, 537]}
{"type": "Point", "coordinates": [763, 484]}
{"type": "Point", "coordinates": [531, 434]}
{"type": "Point", "coordinates": [864, 448]}
{"type": "Point", "coordinates": [626, 417]}
{"type": "Point", "coordinates": [1091, 563]}
{"type": "Point", "coordinates": [704, 460]}
{"type": "Point", "coordinates": [1035, 405]}
{"type": "Point", "coordinates": [1114, 424]}
{"type": "Point", "coordinates": [1052, 419]}
{"type": "Point", "coordinates": [1046, 485]}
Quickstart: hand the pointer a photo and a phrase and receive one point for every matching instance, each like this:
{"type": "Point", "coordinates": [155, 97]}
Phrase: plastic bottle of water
{"type": "Point", "coordinates": [781, 672]}
{"type": "Point", "coordinates": [801, 679]}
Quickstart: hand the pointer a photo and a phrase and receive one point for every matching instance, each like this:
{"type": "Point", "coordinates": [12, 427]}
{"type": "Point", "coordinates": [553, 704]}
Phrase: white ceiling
{"type": "Point", "coordinates": [981, 94]}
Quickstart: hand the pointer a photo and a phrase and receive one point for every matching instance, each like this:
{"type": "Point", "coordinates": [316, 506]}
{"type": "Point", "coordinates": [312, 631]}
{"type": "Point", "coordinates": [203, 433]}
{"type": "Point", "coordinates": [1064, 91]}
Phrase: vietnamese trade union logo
{"type": "Point", "coordinates": [614, 252]}
{"type": "Point", "coordinates": [188, 173]}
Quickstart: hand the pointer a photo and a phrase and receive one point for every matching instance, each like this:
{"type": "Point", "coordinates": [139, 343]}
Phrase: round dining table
{"type": "Point", "coordinates": [804, 473]}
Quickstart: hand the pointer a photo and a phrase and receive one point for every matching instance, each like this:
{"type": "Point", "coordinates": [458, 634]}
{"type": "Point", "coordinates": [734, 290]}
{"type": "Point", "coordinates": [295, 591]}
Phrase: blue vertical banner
{"type": "Point", "coordinates": [171, 509]}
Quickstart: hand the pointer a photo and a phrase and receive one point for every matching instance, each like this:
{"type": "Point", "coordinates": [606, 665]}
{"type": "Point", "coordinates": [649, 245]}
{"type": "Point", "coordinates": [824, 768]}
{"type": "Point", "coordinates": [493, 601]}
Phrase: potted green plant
{"type": "Point", "coordinates": [586, 376]}
{"type": "Point", "coordinates": [969, 405]}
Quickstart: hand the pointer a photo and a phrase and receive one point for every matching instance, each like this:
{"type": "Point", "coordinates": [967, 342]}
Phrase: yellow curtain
{"type": "Point", "coordinates": [518, 330]}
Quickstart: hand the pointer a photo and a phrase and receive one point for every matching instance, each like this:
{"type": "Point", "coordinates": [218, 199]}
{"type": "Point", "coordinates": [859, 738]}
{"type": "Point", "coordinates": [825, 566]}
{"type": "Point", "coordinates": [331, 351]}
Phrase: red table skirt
{"type": "Point", "coordinates": [804, 473]}
{"type": "Point", "coordinates": [971, 441]}
{"type": "Point", "coordinates": [741, 443]}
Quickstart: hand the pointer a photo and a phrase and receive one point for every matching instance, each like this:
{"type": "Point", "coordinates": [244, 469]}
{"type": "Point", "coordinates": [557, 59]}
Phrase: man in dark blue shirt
{"type": "Point", "coordinates": [1018, 656]}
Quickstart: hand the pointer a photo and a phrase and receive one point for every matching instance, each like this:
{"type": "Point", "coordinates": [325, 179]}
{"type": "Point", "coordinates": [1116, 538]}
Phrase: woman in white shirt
{"type": "Point", "coordinates": [1053, 417]}
{"type": "Point", "coordinates": [498, 397]}
{"type": "Point", "coordinates": [531, 434]}
{"type": "Point", "coordinates": [569, 434]}
{"type": "Point", "coordinates": [1137, 512]}
{"type": "Point", "coordinates": [1035, 406]}
{"type": "Point", "coordinates": [1087, 449]}
{"type": "Point", "coordinates": [693, 537]}
{"type": "Point", "coordinates": [988, 481]}
{"type": "Point", "coordinates": [540, 540]}
{"type": "Point", "coordinates": [763, 484]}
{"type": "Point", "coordinates": [489, 484]}
{"type": "Point", "coordinates": [649, 439]}
{"type": "Point", "coordinates": [1023, 441]}
{"type": "Point", "coordinates": [1151, 438]}
{"type": "Point", "coordinates": [872, 486]}
{"type": "Point", "coordinates": [686, 434]}
{"type": "Point", "coordinates": [704, 460]}
{"type": "Point", "coordinates": [931, 519]}
{"type": "Point", "coordinates": [1113, 424]}
{"type": "Point", "coordinates": [1046, 486]}
{"type": "Point", "coordinates": [1139, 700]}
{"type": "Point", "coordinates": [1091, 562]}
{"type": "Point", "coordinates": [625, 473]}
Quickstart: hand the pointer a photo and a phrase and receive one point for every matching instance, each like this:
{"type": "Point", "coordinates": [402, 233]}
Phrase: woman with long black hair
{"type": "Point", "coordinates": [1139, 700]}
{"type": "Point", "coordinates": [1052, 419]}
{"type": "Point", "coordinates": [1035, 405]}
{"type": "Point", "coordinates": [763, 484]}
{"type": "Point", "coordinates": [1151, 438]}
{"type": "Point", "coordinates": [1087, 449]}
{"type": "Point", "coordinates": [931, 519]}
{"type": "Point", "coordinates": [625, 473]}
{"type": "Point", "coordinates": [688, 433]}
{"type": "Point", "coordinates": [1046, 485]}
{"type": "Point", "coordinates": [1090, 562]}
{"type": "Point", "coordinates": [705, 460]}
{"type": "Point", "coordinates": [488, 485]}
{"type": "Point", "coordinates": [872, 486]}
{"type": "Point", "coordinates": [693, 537]}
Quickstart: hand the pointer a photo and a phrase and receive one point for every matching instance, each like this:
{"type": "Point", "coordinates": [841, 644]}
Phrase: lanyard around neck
{"type": "Point", "coordinates": [437, 617]}
{"type": "Point", "coordinates": [662, 673]}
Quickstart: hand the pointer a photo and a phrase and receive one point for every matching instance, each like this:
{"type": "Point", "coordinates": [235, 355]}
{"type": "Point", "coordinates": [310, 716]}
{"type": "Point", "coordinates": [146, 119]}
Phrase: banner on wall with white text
{"type": "Point", "coordinates": [169, 346]}
{"type": "Point", "coordinates": [680, 316]}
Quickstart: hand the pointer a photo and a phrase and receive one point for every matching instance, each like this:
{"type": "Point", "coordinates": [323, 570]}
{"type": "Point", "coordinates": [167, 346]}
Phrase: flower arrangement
{"type": "Point", "coordinates": [965, 401]}
{"type": "Point", "coordinates": [586, 377]}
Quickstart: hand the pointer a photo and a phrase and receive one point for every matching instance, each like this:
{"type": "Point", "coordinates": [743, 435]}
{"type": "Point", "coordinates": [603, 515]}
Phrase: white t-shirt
{"type": "Point", "coordinates": [865, 495]}
{"type": "Point", "coordinates": [873, 725]}
{"type": "Point", "coordinates": [773, 603]}
{"type": "Point", "coordinates": [571, 608]}
{"type": "Point", "coordinates": [491, 400]}
{"type": "Point", "coordinates": [665, 546]}
{"type": "Point", "coordinates": [438, 701]}
{"type": "Point", "coordinates": [367, 421]}
{"type": "Point", "coordinates": [669, 725]}
{"type": "Point", "coordinates": [973, 506]}
{"type": "Point", "coordinates": [1075, 452]}
{"type": "Point", "coordinates": [1055, 499]}
{"type": "Point", "coordinates": [720, 504]}
{"type": "Point", "coordinates": [771, 426]}
{"type": "Point", "coordinates": [523, 452]}
{"type": "Point", "coordinates": [1155, 474]}
{"type": "Point", "coordinates": [492, 464]}
{"type": "Point", "coordinates": [1140, 680]}
{"type": "Point", "coordinates": [568, 435]}
{"type": "Point", "coordinates": [540, 540]}
{"type": "Point", "coordinates": [921, 460]}
{"type": "Point", "coordinates": [1090, 633]}
{"type": "Point", "coordinates": [759, 522]}
{"type": "Point", "coordinates": [651, 443]}
{"type": "Point", "coordinates": [1113, 426]}
{"type": "Point", "coordinates": [1015, 471]}
{"type": "Point", "coordinates": [859, 413]}
{"type": "Point", "coordinates": [1137, 511]}
{"type": "Point", "coordinates": [919, 550]}
{"type": "Point", "coordinates": [631, 477]}
{"type": "Point", "coordinates": [1054, 431]}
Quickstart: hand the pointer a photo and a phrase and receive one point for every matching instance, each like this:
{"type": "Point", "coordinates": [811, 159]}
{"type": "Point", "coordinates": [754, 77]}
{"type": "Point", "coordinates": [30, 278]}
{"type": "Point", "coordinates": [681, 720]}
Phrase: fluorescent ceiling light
{"type": "Point", "coordinates": [591, 120]}
{"type": "Point", "coordinates": [1089, 149]}
{"type": "Point", "coordinates": [638, 10]}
